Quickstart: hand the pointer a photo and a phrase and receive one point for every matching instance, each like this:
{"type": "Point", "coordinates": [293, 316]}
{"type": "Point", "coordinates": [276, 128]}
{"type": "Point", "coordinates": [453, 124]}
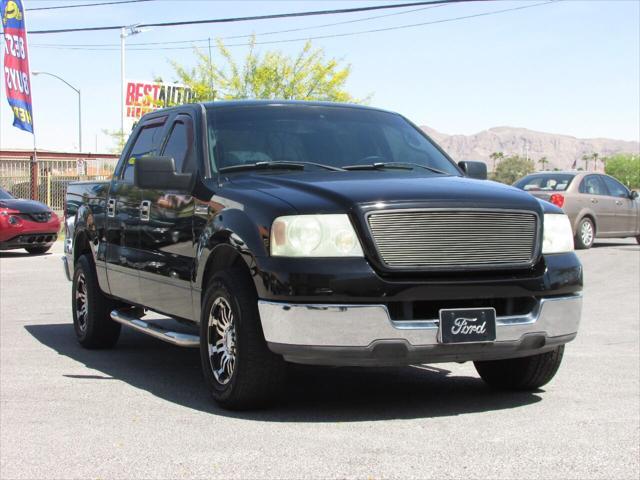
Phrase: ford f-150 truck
{"type": "Point", "coordinates": [266, 232]}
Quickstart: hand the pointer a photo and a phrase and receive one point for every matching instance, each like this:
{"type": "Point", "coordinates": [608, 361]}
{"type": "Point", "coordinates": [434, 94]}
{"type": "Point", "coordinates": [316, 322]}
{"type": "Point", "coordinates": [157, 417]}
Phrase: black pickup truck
{"type": "Point", "coordinates": [264, 233]}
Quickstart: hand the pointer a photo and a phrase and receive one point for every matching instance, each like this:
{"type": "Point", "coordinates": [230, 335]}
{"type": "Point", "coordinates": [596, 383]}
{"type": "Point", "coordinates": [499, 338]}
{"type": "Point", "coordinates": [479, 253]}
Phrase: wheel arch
{"type": "Point", "coordinates": [591, 216]}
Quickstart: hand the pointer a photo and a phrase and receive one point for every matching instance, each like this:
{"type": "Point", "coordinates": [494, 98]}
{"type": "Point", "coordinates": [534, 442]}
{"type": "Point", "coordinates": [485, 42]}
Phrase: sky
{"type": "Point", "coordinates": [569, 67]}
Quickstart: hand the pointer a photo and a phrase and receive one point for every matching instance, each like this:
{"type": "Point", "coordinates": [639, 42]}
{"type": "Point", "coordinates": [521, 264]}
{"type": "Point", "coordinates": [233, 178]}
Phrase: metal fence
{"type": "Point", "coordinates": [45, 177]}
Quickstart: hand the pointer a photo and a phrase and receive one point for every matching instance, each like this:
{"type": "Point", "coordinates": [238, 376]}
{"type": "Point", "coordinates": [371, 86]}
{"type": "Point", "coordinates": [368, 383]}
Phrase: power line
{"type": "Point", "coordinates": [205, 40]}
{"type": "Point", "coordinates": [335, 35]}
{"type": "Point", "coordinates": [57, 7]}
{"type": "Point", "coordinates": [254, 17]}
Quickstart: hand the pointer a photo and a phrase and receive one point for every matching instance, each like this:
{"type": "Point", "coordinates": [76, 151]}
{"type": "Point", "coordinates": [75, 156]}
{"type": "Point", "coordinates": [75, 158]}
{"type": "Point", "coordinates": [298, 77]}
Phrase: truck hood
{"type": "Point", "coordinates": [24, 206]}
{"type": "Point", "coordinates": [332, 192]}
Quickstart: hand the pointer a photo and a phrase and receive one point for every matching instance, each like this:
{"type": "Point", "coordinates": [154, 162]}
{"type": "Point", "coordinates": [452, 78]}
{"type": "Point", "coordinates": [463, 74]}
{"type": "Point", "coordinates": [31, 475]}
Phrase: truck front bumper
{"type": "Point", "coordinates": [366, 335]}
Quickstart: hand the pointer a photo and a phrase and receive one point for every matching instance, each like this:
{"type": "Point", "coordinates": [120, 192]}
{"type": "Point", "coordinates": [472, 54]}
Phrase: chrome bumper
{"type": "Point", "coordinates": [360, 326]}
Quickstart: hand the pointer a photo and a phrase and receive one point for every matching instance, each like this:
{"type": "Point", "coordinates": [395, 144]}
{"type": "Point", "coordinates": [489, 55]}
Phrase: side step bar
{"type": "Point", "coordinates": [176, 338]}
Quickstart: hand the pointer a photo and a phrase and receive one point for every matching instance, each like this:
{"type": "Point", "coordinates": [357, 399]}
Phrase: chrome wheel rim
{"type": "Point", "coordinates": [586, 233]}
{"type": "Point", "coordinates": [81, 302]}
{"type": "Point", "coordinates": [221, 339]}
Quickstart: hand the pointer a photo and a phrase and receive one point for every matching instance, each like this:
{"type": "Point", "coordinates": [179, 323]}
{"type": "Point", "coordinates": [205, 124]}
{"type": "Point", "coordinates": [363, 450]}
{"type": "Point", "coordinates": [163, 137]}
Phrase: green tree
{"type": "Point", "coordinates": [625, 167]}
{"type": "Point", "coordinates": [118, 138]}
{"type": "Point", "coordinates": [309, 75]}
{"type": "Point", "coordinates": [586, 158]}
{"type": "Point", "coordinates": [513, 168]}
{"type": "Point", "coordinates": [496, 157]}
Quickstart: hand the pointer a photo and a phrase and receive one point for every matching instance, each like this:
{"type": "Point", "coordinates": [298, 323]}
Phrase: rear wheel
{"type": "Point", "coordinates": [91, 308]}
{"type": "Point", "coordinates": [585, 235]}
{"type": "Point", "coordinates": [239, 368]}
{"type": "Point", "coordinates": [526, 373]}
{"type": "Point", "coordinates": [37, 250]}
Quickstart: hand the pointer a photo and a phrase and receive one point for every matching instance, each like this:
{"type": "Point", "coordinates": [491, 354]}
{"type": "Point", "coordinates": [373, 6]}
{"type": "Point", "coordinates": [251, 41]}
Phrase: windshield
{"type": "Point", "coordinates": [549, 182]}
{"type": "Point", "coordinates": [4, 195]}
{"type": "Point", "coordinates": [332, 136]}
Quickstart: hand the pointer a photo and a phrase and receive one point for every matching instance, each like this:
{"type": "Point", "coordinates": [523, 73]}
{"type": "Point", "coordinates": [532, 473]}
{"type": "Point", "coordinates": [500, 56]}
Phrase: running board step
{"type": "Point", "coordinates": [180, 339]}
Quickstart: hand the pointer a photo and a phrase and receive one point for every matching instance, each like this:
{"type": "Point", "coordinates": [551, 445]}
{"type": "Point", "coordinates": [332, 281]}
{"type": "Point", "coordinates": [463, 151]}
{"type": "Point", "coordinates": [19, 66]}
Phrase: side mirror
{"type": "Point", "coordinates": [633, 195]}
{"type": "Point", "coordinates": [476, 170]}
{"type": "Point", "coordinates": [159, 173]}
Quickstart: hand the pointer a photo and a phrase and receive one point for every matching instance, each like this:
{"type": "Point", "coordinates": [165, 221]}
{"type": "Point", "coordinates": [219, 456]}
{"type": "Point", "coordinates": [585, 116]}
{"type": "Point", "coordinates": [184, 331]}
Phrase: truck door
{"type": "Point", "coordinates": [123, 215]}
{"type": "Point", "coordinates": [166, 230]}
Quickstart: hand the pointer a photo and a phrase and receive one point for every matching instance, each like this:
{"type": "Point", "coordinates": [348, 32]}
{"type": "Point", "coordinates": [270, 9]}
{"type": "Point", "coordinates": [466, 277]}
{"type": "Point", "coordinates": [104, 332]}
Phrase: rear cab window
{"type": "Point", "coordinates": [548, 182]}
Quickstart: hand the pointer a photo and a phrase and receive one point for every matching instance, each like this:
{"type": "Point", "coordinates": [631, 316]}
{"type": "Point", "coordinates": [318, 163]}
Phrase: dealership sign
{"type": "Point", "coordinates": [16, 63]}
{"type": "Point", "coordinates": [145, 97]}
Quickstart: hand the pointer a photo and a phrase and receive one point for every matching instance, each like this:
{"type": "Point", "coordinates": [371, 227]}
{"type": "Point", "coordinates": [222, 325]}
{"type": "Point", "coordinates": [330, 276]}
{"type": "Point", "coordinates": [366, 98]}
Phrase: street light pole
{"type": "Point", "coordinates": [77, 90]}
{"type": "Point", "coordinates": [124, 33]}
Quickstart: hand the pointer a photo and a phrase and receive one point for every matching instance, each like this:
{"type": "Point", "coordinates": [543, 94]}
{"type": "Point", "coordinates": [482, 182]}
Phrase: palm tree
{"type": "Point", "coordinates": [495, 156]}
{"type": "Point", "coordinates": [603, 160]}
{"type": "Point", "coordinates": [587, 158]}
{"type": "Point", "coordinates": [543, 161]}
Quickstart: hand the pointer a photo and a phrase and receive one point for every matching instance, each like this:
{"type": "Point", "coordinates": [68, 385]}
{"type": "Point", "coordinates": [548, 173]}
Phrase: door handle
{"type": "Point", "coordinates": [618, 202]}
{"type": "Point", "coordinates": [111, 207]}
{"type": "Point", "coordinates": [145, 209]}
{"type": "Point", "coordinates": [594, 200]}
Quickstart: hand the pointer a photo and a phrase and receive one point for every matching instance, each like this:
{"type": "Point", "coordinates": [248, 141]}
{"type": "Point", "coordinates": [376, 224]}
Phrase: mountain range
{"type": "Point", "coordinates": [561, 150]}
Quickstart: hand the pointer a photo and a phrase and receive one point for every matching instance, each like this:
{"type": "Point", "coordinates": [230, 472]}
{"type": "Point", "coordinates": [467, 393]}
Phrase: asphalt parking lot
{"type": "Point", "coordinates": [142, 411]}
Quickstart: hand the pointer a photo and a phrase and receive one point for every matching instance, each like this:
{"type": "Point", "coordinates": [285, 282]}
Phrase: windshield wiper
{"type": "Point", "coordinates": [426, 167]}
{"type": "Point", "coordinates": [395, 165]}
{"type": "Point", "coordinates": [277, 165]}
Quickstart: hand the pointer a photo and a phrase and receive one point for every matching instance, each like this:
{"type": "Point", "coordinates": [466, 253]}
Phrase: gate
{"type": "Point", "coordinates": [46, 177]}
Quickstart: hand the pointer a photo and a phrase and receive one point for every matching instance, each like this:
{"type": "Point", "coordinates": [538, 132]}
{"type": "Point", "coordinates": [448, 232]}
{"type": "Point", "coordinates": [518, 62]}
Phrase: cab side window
{"type": "Point", "coordinates": [592, 185]}
{"type": "Point", "coordinates": [179, 145]}
{"type": "Point", "coordinates": [146, 144]}
{"type": "Point", "coordinates": [616, 189]}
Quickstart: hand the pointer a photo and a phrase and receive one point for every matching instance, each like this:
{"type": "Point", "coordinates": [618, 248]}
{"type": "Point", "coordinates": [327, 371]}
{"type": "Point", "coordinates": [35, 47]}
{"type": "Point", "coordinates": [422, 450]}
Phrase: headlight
{"type": "Point", "coordinates": [558, 237]}
{"type": "Point", "coordinates": [314, 236]}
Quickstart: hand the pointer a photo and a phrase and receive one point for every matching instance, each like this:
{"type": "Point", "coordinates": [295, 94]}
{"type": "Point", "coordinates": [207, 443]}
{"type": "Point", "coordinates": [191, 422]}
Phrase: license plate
{"type": "Point", "coordinates": [467, 325]}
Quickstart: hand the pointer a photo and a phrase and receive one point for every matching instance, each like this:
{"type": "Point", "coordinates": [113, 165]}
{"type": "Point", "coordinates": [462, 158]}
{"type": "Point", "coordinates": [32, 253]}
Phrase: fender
{"type": "Point", "coordinates": [229, 235]}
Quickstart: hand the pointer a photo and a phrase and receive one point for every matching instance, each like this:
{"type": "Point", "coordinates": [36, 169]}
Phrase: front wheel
{"type": "Point", "coordinates": [585, 235]}
{"type": "Point", "coordinates": [239, 368]}
{"type": "Point", "coordinates": [526, 373]}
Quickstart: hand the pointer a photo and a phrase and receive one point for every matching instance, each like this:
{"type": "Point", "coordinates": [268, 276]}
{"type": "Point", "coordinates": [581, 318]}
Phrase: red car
{"type": "Point", "coordinates": [26, 224]}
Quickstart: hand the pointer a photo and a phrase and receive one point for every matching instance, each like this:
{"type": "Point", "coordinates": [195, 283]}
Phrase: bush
{"type": "Point", "coordinates": [626, 168]}
{"type": "Point", "coordinates": [512, 168]}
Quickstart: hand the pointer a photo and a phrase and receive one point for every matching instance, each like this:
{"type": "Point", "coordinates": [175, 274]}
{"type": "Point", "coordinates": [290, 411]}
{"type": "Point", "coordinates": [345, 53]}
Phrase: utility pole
{"type": "Point", "coordinates": [123, 35]}
{"type": "Point", "coordinates": [210, 72]}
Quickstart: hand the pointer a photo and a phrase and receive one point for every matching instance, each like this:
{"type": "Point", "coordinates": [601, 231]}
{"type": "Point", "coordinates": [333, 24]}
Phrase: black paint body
{"type": "Point", "coordinates": [163, 263]}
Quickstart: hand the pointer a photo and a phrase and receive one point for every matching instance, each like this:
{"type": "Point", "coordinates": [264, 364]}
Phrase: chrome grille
{"type": "Point", "coordinates": [445, 239]}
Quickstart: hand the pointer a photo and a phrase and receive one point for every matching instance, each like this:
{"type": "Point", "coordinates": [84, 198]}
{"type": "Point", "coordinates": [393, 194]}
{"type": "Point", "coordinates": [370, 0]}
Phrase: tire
{"type": "Point", "coordinates": [526, 373]}
{"type": "Point", "coordinates": [251, 376]}
{"type": "Point", "coordinates": [91, 308]}
{"type": "Point", "coordinates": [585, 235]}
{"type": "Point", "coordinates": [37, 250]}
{"type": "Point", "coordinates": [638, 239]}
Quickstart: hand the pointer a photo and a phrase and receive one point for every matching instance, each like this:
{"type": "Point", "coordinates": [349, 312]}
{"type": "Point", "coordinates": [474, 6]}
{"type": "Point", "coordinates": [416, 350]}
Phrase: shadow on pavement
{"type": "Point", "coordinates": [629, 246]}
{"type": "Point", "coordinates": [20, 253]}
{"type": "Point", "coordinates": [313, 394]}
